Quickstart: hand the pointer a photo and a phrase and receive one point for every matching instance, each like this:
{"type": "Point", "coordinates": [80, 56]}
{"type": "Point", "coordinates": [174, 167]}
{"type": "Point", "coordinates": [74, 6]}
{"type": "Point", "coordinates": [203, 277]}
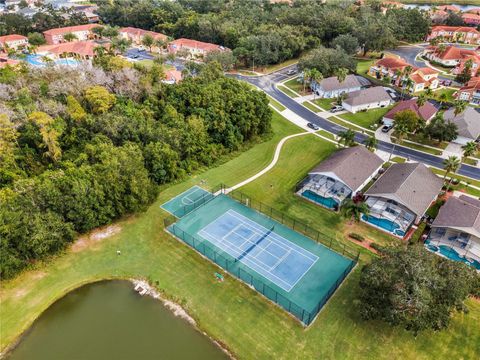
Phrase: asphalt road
{"type": "Point", "coordinates": [267, 84]}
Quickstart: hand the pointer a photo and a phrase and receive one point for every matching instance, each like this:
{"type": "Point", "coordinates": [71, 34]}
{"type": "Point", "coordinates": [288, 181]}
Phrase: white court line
{"type": "Point", "coordinates": [257, 263]}
{"type": "Point", "coordinates": [256, 245]}
{"type": "Point", "coordinates": [280, 260]}
{"type": "Point", "coordinates": [282, 242]}
{"type": "Point", "coordinates": [188, 197]}
{"type": "Point", "coordinates": [181, 194]}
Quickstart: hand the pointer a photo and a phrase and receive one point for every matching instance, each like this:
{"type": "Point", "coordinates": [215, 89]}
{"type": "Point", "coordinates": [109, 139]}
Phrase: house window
{"type": "Point", "coordinates": [440, 231]}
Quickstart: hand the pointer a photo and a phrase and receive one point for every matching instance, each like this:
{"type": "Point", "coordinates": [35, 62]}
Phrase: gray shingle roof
{"type": "Point", "coordinates": [411, 184]}
{"type": "Point", "coordinates": [462, 212]}
{"type": "Point", "coordinates": [332, 83]}
{"type": "Point", "coordinates": [468, 122]}
{"type": "Point", "coordinates": [367, 96]}
{"type": "Point", "coordinates": [352, 165]}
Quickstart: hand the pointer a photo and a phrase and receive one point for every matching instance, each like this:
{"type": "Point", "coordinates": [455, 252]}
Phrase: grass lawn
{"type": "Point", "coordinates": [447, 91]}
{"type": "Point", "coordinates": [324, 103]}
{"type": "Point", "coordinates": [326, 134]}
{"type": "Point", "coordinates": [367, 119]}
{"type": "Point", "coordinates": [276, 104]}
{"type": "Point", "coordinates": [232, 313]}
{"type": "Point", "coordinates": [294, 85]}
{"type": "Point", "coordinates": [287, 91]}
{"type": "Point", "coordinates": [349, 125]}
{"type": "Point", "coordinates": [310, 106]}
{"type": "Point", "coordinates": [271, 68]}
{"type": "Point", "coordinates": [363, 65]}
{"type": "Point", "coordinates": [470, 161]}
{"type": "Point", "coordinates": [425, 141]}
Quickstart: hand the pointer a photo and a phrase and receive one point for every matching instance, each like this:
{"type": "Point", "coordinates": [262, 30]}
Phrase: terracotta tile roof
{"type": "Point", "coordinates": [417, 79]}
{"type": "Point", "coordinates": [4, 61]}
{"type": "Point", "coordinates": [173, 75]}
{"type": "Point", "coordinates": [455, 29]}
{"type": "Point", "coordinates": [470, 16]}
{"type": "Point", "coordinates": [70, 29]}
{"type": "Point", "coordinates": [392, 63]}
{"type": "Point", "coordinates": [179, 43]}
{"type": "Point", "coordinates": [82, 48]}
{"type": "Point", "coordinates": [13, 37]}
{"type": "Point", "coordinates": [449, 8]}
{"type": "Point", "coordinates": [474, 11]}
{"type": "Point", "coordinates": [454, 53]}
{"type": "Point", "coordinates": [427, 71]}
{"type": "Point", "coordinates": [424, 112]}
{"type": "Point", "coordinates": [140, 33]}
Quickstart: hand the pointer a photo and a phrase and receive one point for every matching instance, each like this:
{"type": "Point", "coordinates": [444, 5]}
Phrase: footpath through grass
{"type": "Point", "coordinates": [232, 313]}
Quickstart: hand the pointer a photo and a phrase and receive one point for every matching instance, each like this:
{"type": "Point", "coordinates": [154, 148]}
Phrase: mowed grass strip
{"type": "Point", "coordinates": [232, 313]}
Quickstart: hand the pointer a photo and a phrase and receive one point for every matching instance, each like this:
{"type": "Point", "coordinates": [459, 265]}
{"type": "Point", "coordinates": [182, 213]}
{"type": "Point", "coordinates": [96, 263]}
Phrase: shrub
{"type": "Point", "coordinates": [356, 236]}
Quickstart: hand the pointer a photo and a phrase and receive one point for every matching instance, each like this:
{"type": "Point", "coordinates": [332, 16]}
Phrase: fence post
{"type": "Point", "coordinates": [318, 235]}
{"type": "Point", "coordinates": [330, 246]}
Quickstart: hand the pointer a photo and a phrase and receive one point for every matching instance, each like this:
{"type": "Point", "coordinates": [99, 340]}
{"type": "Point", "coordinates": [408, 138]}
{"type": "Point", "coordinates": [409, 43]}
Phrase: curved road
{"type": "Point", "coordinates": [267, 84]}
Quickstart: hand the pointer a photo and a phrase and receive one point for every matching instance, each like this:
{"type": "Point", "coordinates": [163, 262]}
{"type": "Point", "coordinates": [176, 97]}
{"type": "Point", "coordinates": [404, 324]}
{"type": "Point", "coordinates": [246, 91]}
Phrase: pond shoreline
{"type": "Point", "coordinates": [176, 309]}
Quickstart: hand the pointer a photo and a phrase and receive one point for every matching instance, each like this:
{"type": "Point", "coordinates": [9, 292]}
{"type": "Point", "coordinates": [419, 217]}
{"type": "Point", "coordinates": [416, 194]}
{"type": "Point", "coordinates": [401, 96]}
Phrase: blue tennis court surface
{"type": "Point", "coordinates": [261, 249]}
{"type": "Point", "coordinates": [186, 199]}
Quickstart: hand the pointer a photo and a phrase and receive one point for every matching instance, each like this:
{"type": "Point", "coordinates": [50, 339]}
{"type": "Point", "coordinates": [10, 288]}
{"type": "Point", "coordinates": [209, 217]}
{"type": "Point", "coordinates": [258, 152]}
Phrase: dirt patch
{"type": "Point", "coordinates": [37, 275]}
{"type": "Point", "coordinates": [94, 237]}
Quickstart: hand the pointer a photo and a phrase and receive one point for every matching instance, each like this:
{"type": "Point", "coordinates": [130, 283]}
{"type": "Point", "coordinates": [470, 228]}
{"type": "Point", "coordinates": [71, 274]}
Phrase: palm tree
{"type": "Point", "coordinates": [371, 143]}
{"type": "Point", "coordinates": [315, 76]}
{"type": "Point", "coordinates": [121, 45]}
{"type": "Point", "coordinates": [441, 48]}
{"type": "Point", "coordinates": [451, 164]}
{"type": "Point", "coordinates": [160, 43]}
{"type": "Point", "coordinates": [69, 37]}
{"type": "Point", "coordinates": [428, 93]}
{"type": "Point", "coordinates": [347, 137]}
{"type": "Point", "coordinates": [353, 210]}
{"type": "Point", "coordinates": [421, 100]}
{"type": "Point", "coordinates": [400, 132]}
{"type": "Point", "coordinates": [443, 97]}
{"type": "Point", "coordinates": [341, 74]}
{"type": "Point", "coordinates": [459, 106]}
{"type": "Point", "coordinates": [469, 149]}
{"type": "Point", "coordinates": [307, 73]}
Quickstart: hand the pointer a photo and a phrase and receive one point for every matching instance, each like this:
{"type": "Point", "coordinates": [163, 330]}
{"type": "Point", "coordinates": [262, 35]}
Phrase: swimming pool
{"type": "Point", "coordinates": [327, 202]}
{"type": "Point", "coordinates": [36, 60]}
{"type": "Point", "coordinates": [451, 254]}
{"type": "Point", "coordinates": [384, 224]}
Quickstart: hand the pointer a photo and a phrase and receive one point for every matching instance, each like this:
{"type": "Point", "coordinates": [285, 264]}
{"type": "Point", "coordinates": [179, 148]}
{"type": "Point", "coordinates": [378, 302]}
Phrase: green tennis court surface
{"type": "Point", "coordinates": [185, 201]}
{"type": "Point", "coordinates": [290, 269]}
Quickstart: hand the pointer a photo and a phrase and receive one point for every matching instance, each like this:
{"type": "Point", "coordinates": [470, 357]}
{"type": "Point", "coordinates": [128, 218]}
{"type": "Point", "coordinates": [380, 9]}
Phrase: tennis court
{"type": "Point", "coordinates": [261, 249]}
{"type": "Point", "coordinates": [287, 267]}
{"type": "Point", "coordinates": [185, 200]}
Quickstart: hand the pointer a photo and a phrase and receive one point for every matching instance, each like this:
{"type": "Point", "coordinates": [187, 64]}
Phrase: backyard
{"type": "Point", "coordinates": [231, 312]}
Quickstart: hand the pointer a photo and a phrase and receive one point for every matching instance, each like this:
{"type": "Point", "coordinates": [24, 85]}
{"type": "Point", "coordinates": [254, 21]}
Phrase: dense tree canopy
{"type": "Point", "coordinates": [81, 147]}
{"type": "Point", "coordinates": [415, 289]}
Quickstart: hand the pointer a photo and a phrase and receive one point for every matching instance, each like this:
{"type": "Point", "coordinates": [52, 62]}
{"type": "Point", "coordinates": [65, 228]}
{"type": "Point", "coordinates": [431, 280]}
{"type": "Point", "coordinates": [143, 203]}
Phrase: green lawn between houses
{"type": "Point", "coordinates": [325, 103]}
{"type": "Point", "coordinates": [230, 312]}
{"type": "Point", "coordinates": [367, 119]}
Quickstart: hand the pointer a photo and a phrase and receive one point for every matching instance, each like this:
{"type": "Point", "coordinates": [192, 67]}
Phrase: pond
{"type": "Point", "coordinates": [462, 7]}
{"type": "Point", "coordinates": [108, 320]}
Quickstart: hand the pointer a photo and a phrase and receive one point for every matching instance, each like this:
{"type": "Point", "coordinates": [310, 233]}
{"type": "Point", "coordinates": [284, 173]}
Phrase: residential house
{"type": "Point", "coordinates": [82, 33]}
{"type": "Point", "coordinates": [454, 57]}
{"type": "Point", "coordinates": [471, 19]}
{"type": "Point", "coordinates": [462, 34]}
{"type": "Point", "coordinates": [194, 48]}
{"type": "Point", "coordinates": [5, 60]}
{"type": "Point", "coordinates": [13, 41]}
{"type": "Point", "coordinates": [365, 99]}
{"type": "Point", "coordinates": [339, 177]}
{"type": "Point", "coordinates": [455, 231]}
{"type": "Point", "coordinates": [394, 68]}
{"type": "Point", "coordinates": [425, 112]}
{"type": "Point", "coordinates": [470, 91]}
{"type": "Point", "coordinates": [172, 76]}
{"type": "Point", "coordinates": [438, 16]}
{"type": "Point", "coordinates": [332, 88]}
{"type": "Point", "coordinates": [136, 35]}
{"type": "Point", "coordinates": [468, 124]}
{"type": "Point", "coordinates": [400, 197]}
{"type": "Point", "coordinates": [451, 8]}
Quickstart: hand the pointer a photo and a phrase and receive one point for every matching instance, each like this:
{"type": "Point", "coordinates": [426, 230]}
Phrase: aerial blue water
{"type": "Point", "coordinates": [451, 254]}
{"type": "Point", "coordinates": [36, 60]}
{"type": "Point", "coordinates": [327, 202]}
{"type": "Point", "coordinates": [385, 224]}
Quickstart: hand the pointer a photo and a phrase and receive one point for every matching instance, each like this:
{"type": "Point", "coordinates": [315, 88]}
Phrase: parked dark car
{"type": "Point", "coordinates": [387, 128]}
{"type": "Point", "coordinates": [313, 126]}
{"type": "Point", "coordinates": [291, 72]}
